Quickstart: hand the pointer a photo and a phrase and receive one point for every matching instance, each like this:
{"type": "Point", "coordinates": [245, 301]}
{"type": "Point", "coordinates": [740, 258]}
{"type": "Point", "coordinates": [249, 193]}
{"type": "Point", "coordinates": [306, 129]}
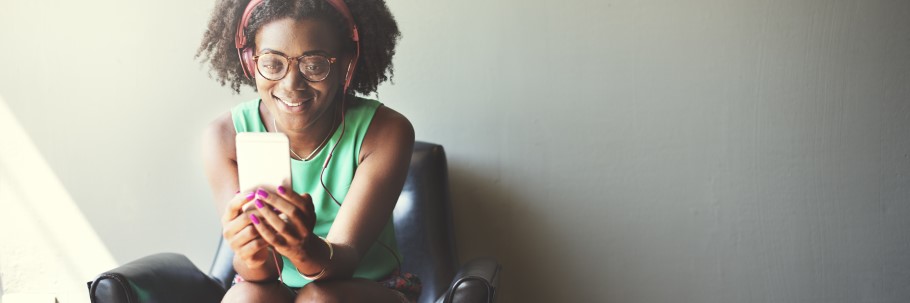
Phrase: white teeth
{"type": "Point", "coordinates": [290, 104]}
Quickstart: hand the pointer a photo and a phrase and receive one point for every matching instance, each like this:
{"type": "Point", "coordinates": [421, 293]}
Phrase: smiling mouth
{"type": "Point", "coordinates": [289, 104]}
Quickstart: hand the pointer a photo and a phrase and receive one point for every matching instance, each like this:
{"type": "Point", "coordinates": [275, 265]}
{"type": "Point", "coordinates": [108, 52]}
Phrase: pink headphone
{"type": "Point", "coordinates": [246, 53]}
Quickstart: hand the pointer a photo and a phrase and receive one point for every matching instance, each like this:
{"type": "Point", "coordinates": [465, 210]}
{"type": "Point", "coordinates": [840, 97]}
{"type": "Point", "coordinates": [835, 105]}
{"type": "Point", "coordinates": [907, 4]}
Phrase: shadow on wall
{"type": "Point", "coordinates": [491, 219]}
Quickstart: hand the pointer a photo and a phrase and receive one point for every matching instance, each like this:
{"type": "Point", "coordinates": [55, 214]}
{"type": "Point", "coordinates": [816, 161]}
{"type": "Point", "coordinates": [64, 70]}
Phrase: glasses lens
{"type": "Point", "coordinates": [272, 66]}
{"type": "Point", "coordinates": [315, 68]}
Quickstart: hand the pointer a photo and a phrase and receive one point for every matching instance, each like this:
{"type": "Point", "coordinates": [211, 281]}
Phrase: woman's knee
{"type": "Point", "coordinates": [318, 292]}
{"type": "Point", "coordinates": [257, 292]}
{"type": "Point", "coordinates": [352, 290]}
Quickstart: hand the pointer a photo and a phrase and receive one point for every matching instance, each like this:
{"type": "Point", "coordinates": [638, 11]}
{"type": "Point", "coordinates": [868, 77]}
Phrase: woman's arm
{"type": "Point", "coordinates": [251, 253]}
{"type": "Point", "coordinates": [384, 159]}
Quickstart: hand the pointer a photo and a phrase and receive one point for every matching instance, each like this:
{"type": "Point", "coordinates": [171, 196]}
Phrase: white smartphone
{"type": "Point", "coordinates": [262, 159]}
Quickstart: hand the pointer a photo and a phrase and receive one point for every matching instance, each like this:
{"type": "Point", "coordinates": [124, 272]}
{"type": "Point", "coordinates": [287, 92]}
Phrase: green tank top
{"type": "Point", "coordinates": [378, 262]}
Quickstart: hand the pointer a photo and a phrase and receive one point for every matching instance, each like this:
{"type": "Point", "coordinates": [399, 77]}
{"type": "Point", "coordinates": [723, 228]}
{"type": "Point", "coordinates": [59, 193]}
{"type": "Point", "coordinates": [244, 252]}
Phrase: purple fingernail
{"type": "Point", "coordinates": [261, 193]}
{"type": "Point", "coordinates": [281, 189]}
{"type": "Point", "coordinates": [237, 192]}
{"type": "Point", "coordinates": [250, 196]}
{"type": "Point", "coordinates": [255, 220]}
{"type": "Point", "coordinates": [259, 203]}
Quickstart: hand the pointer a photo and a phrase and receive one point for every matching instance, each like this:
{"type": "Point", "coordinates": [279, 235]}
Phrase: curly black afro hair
{"type": "Point", "coordinates": [376, 25]}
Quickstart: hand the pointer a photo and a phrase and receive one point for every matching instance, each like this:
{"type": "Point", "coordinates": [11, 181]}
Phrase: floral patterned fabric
{"type": "Point", "coordinates": [407, 284]}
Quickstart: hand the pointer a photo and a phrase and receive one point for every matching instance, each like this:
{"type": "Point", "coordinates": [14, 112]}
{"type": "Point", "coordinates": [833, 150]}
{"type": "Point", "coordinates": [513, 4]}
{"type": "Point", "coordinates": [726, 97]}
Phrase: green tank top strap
{"type": "Point", "coordinates": [378, 262]}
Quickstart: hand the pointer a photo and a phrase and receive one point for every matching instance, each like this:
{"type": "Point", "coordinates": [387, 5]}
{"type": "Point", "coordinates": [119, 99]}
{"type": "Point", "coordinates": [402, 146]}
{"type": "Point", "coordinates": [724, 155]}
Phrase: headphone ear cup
{"type": "Point", "coordinates": [247, 62]}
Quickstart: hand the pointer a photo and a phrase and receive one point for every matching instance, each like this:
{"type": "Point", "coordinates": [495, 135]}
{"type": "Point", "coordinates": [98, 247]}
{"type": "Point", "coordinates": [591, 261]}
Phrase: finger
{"type": "Point", "coordinates": [287, 229]}
{"type": "Point", "coordinates": [244, 236]}
{"type": "Point", "coordinates": [278, 202]}
{"type": "Point", "coordinates": [267, 232]}
{"type": "Point", "coordinates": [296, 214]}
{"type": "Point", "coordinates": [302, 201]}
{"type": "Point", "coordinates": [251, 248]}
{"type": "Point", "coordinates": [235, 206]}
{"type": "Point", "coordinates": [295, 202]}
{"type": "Point", "coordinates": [234, 226]}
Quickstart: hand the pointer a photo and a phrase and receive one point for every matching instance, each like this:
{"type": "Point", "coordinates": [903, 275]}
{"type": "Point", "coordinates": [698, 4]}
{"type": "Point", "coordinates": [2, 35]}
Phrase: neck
{"type": "Point", "coordinates": [306, 138]}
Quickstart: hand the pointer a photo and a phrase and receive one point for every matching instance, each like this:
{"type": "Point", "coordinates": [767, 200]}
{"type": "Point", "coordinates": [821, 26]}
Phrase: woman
{"type": "Point", "coordinates": [349, 155]}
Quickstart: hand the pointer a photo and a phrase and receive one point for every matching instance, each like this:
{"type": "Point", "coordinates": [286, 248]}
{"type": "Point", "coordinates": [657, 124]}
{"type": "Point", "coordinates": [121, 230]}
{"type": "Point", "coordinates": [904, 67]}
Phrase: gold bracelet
{"type": "Point", "coordinates": [321, 272]}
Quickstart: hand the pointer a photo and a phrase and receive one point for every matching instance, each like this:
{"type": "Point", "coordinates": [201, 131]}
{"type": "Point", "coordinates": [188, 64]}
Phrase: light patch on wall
{"type": "Point", "coordinates": [48, 245]}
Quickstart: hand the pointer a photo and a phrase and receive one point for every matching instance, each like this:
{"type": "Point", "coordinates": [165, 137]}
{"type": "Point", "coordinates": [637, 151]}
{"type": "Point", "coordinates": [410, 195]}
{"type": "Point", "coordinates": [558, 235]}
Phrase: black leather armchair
{"type": "Point", "coordinates": [423, 226]}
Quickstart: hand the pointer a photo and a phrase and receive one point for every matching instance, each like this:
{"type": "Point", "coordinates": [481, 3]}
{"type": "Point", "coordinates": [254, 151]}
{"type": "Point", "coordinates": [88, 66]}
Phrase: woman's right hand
{"type": "Point", "coordinates": [240, 233]}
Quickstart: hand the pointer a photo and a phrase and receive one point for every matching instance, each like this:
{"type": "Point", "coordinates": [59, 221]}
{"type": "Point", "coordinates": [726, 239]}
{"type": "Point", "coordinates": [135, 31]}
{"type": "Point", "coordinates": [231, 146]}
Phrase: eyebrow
{"type": "Point", "coordinates": [307, 53]}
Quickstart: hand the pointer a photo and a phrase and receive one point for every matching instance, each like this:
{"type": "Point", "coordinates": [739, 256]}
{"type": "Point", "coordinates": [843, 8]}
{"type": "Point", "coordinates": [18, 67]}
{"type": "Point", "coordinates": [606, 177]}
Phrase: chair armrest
{"type": "Point", "coordinates": [476, 281]}
{"type": "Point", "coordinates": [164, 277]}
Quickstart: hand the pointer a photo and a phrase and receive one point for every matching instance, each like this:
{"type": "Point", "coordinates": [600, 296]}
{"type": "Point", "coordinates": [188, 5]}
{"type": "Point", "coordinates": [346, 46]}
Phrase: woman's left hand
{"type": "Point", "coordinates": [289, 238]}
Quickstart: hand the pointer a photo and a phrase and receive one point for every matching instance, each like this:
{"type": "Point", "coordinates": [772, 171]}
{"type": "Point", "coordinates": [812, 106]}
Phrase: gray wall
{"type": "Point", "coordinates": [608, 151]}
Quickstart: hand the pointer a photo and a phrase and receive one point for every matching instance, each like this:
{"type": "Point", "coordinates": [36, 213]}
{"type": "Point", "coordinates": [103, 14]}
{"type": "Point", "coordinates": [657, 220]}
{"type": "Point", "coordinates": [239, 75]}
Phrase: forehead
{"type": "Point", "coordinates": [296, 37]}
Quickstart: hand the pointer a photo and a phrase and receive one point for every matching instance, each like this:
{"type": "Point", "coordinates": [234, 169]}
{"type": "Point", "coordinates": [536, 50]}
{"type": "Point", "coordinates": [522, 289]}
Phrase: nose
{"type": "Point", "coordinates": [294, 79]}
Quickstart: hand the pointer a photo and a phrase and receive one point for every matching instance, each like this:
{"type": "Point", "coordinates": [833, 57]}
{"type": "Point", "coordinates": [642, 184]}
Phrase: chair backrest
{"type": "Point", "coordinates": [423, 222]}
{"type": "Point", "coordinates": [423, 226]}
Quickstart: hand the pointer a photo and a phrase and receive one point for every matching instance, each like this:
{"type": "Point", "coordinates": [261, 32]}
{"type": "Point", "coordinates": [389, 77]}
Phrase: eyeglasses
{"type": "Point", "coordinates": [274, 67]}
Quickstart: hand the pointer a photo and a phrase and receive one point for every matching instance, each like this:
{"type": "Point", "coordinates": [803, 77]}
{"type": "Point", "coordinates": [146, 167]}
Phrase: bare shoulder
{"type": "Point", "coordinates": [390, 131]}
{"type": "Point", "coordinates": [218, 138]}
{"type": "Point", "coordinates": [220, 159]}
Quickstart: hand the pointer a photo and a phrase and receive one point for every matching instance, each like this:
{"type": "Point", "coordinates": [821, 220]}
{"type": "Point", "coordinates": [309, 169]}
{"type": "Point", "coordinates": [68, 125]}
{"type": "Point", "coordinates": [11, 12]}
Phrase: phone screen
{"type": "Point", "coordinates": [262, 159]}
